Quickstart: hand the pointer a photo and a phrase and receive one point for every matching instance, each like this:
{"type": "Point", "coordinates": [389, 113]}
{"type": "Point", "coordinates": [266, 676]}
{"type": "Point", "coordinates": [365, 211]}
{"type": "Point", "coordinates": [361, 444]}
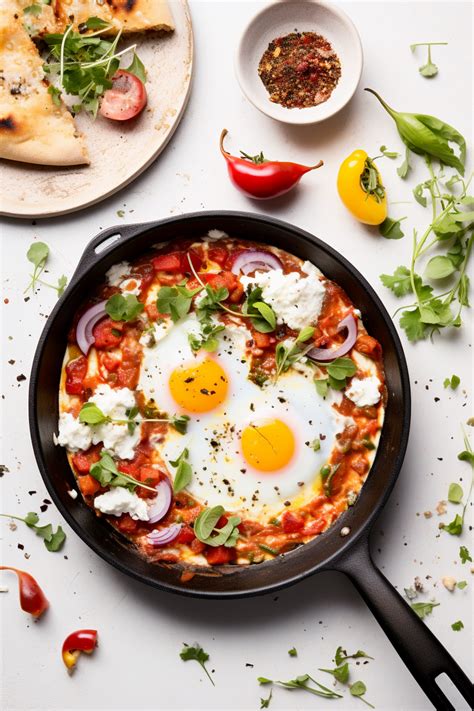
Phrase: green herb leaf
{"type": "Point", "coordinates": [455, 493]}
{"type": "Point", "coordinates": [413, 326]}
{"type": "Point", "coordinates": [390, 229]}
{"type": "Point", "coordinates": [34, 10]}
{"type": "Point", "coordinates": [107, 474]}
{"type": "Point", "coordinates": [452, 382]}
{"type": "Point", "coordinates": [341, 655]}
{"type": "Point", "coordinates": [263, 680]}
{"type": "Point", "coordinates": [95, 23]}
{"type": "Point", "coordinates": [358, 689]}
{"type": "Point", "coordinates": [457, 626]}
{"type": "Point", "coordinates": [399, 282]}
{"type": "Point", "coordinates": [388, 154]}
{"type": "Point", "coordinates": [56, 541]}
{"type": "Point", "coordinates": [292, 652]}
{"type": "Point", "coordinates": [123, 307]}
{"type": "Point", "coordinates": [404, 168]}
{"type": "Point", "coordinates": [455, 526]}
{"type": "Point", "coordinates": [52, 540]}
{"type": "Point", "coordinates": [423, 608]}
{"type": "Point", "coordinates": [180, 423]}
{"type": "Point", "coordinates": [265, 703]}
{"type": "Point", "coordinates": [31, 519]}
{"type": "Point", "coordinates": [175, 300]}
{"type": "Point", "coordinates": [55, 95]}
{"type": "Point", "coordinates": [341, 368]}
{"type": "Point", "coordinates": [322, 386]}
{"type": "Point", "coordinates": [137, 68]}
{"type": "Point", "coordinates": [289, 352]}
{"type": "Point", "coordinates": [196, 654]}
{"type": "Point", "coordinates": [37, 254]}
{"type": "Point", "coordinates": [301, 682]}
{"type": "Point", "coordinates": [184, 473]}
{"type": "Point", "coordinates": [90, 414]}
{"type": "Point", "coordinates": [61, 285]}
{"type": "Point", "coordinates": [205, 528]}
{"type": "Point", "coordinates": [340, 673]}
{"type": "Point", "coordinates": [461, 584]}
{"type": "Point", "coordinates": [464, 555]}
{"type": "Point", "coordinates": [439, 267]}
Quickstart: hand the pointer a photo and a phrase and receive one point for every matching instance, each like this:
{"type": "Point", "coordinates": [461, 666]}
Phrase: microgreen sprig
{"type": "Point", "coordinates": [38, 254]}
{"type": "Point", "coordinates": [456, 493]}
{"type": "Point", "coordinates": [107, 474]}
{"type": "Point", "coordinates": [196, 654]}
{"type": "Point", "coordinates": [91, 414]}
{"type": "Point", "coordinates": [53, 540]}
{"type": "Point", "coordinates": [291, 351]}
{"type": "Point", "coordinates": [429, 69]}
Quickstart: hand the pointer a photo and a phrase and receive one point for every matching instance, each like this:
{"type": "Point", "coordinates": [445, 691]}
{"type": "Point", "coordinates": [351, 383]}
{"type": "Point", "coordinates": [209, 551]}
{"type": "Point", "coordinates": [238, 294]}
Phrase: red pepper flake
{"type": "Point", "coordinates": [299, 70]}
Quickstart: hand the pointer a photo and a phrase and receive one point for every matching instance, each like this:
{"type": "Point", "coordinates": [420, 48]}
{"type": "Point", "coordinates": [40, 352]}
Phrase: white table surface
{"type": "Point", "coordinates": [137, 665]}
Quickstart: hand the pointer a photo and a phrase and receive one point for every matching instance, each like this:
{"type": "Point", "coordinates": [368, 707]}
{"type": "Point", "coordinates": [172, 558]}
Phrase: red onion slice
{"type": "Point", "coordinates": [165, 536]}
{"type": "Point", "coordinates": [253, 259]}
{"type": "Point", "coordinates": [85, 326]}
{"type": "Point", "coordinates": [160, 506]}
{"type": "Point", "coordinates": [327, 354]}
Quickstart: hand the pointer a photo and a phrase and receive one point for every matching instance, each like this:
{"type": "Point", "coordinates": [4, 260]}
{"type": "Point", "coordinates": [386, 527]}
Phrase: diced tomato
{"type": "Point", "coordinates": [88, 485]}
{"type": "Point", "coordinates": [219, 555]}
{"type": "Point", "coordinates": [83, 461]}
{"type": "Point", "coordinates": [186, 535]}
{"type": "Point", "coordinates": [228, 280]}
{"type": "Point", "coordinates": [75, 373]}
{"type": "Point", "coordinates": [127, 524]}
{"type": "Point", "coordinates": [195, 259]}
{"type": "Point", "coordinates": [111, 362]}
{"type": "Point", "coordinates": [218, 255]}
{"type": "Point", "coordinates": [168, 262]}
{"type": "Point", "coordinates": [149, 476]}
{"type": "Point", "coordinates": [129, 370]}
{"type": "Point", "coordinates": [152, 311]}
{"type": "Point", "coordinates": [128, 377]}
{"type": "Point", "coordinates": [292, 522]}
{"type": "Point", "coordinates": [197, 546]}
{"type": "Point", "coordinates": [108, 334]}
{"type": "Point", "coordinates": [263, 340]}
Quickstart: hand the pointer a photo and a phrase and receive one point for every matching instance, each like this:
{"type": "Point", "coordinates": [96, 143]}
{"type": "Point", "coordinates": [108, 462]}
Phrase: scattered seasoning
{"type": "Point", "coordinates": [299, 70]}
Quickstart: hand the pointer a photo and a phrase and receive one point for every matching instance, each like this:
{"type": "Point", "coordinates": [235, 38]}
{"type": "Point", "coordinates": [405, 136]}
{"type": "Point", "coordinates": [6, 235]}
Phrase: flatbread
{"type": "Point", "coordinates": [32, 128]}
{"type": "Point", "coordinates": [128, 15]}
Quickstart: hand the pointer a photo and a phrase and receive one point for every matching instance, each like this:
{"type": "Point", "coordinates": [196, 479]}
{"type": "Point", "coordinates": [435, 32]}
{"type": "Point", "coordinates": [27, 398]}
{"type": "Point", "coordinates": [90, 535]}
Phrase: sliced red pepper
{"type": "Point", "coordinates": [218, 255]}
{"type": "Point", "coordinates": [32, 598]}
{"type": "Point", "coordinates": [219, 555]}
{"type": "Point", "coordinates": [186, 535]}
{"type": "Point", "coordinates": [292, 522]}
{"type": "Point", "coordinates": [75, 643]}
{"type": "Point", "coordinates": [260, 178]}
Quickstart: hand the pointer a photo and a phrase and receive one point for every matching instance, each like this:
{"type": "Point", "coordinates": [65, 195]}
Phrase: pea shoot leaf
{"type": "Point", "coordinates": [90, 414]}
{"type": "Point", "coordinates": [461, 584]}
{"type": "Point", "coordinates": [439, 267]}
{"type": "Point", "coordinates": [263, 316]}
{"type": "Point", "coordinates": [55, 543]}
{"type": "Point", "coordinates": [340, 673]}
{"type": "Point", "coordinates": [464, 555]}
{"type": "Point", "coordinates": [293, 652]}
{"type": "Point", "coordinates": [184, 473]}
{"type": "Point", "coordinates": [107, 474]}
{"type": "Point", "coordinates": [455, 493]}
{"type": "Point", "coordinates": [341, 368]}
{"type": "Point", "coordinates": [388, 154]}
{"type": "Point", "coordinates": [358, 688]}
{"type": "Point", "coordinates": [265, 703]}
{"type": "Point", "coordinates": [423, 608]}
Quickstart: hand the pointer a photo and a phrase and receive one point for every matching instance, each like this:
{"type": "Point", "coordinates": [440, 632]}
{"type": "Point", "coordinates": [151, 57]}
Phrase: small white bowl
{"type": "Point", "coordinates": [282, 18]}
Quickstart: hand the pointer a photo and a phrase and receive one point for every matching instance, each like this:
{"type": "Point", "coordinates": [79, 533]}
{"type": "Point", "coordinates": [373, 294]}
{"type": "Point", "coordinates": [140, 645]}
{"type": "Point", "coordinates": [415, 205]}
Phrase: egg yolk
{"type": "Point", "coordinates": [269, 446]}
{"type": "Point", "coordinates": [200, 388]}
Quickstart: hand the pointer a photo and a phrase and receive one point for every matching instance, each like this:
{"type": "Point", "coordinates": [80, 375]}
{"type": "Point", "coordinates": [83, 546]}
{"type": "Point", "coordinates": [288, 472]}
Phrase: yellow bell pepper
{"type": "Point", "coordinates": [361, 189]}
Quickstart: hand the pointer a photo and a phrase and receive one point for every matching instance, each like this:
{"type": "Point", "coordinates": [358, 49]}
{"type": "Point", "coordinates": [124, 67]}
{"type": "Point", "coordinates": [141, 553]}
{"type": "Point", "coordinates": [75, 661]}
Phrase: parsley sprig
{"type": "Point", "coordinates": [196, 654]}
{"type": "Point", "coordinates": [53, 540]}
{"type": "Point", "coordinates": [83, 64]}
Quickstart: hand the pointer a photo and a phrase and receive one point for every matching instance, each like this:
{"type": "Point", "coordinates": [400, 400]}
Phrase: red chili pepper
{"type": "Point", "coordinates": [260, 178]}
{"type": "Point", "coordinates": [75, 643]}
{"type": "Point", "coordinates": [32, 598]}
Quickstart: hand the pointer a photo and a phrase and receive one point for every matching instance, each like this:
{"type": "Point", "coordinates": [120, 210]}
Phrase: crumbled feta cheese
{"type": "Point", "coordinates": [296, 300]}
{"type": "Point", "coordinates": [114, 402]}
{"type": "Point", "coordinates": [117, 272]}
{"type": "Point", "coordinates": [131, 286]}
{"type": "Point", "coordinates": [119, 500]}
{"type": "Point", "coordinates": [364, 391]}
{"type": "Point", "coordinates": [117, 439]}
{"type": "Point", "coordinates": [72, 493]}
{"type": "Point", "coordinates": [213, 235]}
{"type": "Point", "coordinates": [72, 434]}
{"type": "Point", "coordinates": [156, 332]}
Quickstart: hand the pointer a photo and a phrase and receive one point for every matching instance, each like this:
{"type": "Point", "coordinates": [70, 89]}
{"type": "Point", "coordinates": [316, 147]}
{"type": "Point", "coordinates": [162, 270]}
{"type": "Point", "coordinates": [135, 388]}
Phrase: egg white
{"type": "Point", "coordinates": [221, 475]}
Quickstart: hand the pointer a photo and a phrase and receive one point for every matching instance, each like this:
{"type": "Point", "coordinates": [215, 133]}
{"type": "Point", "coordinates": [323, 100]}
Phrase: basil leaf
{"type": "Point", "coordinates": [184, 473]}
{"type": "Point", "coordinates": [206, 521]}
{"type": "Point", "coordinates": [90, 414]}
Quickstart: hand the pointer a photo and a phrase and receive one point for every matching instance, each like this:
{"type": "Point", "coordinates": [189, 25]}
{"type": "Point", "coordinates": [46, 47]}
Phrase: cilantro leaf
{"type": "Point", "coordinates": [123, 307]}
{"type": "Point", "coordinates": [399, 282]}
{"type": "Point", "coordinates": [413, 326]}
{"type": "Point", "coordinates": [56, 541]}
{"type": "Point", "coordinates": [53, 540]}
{"type": "Point", "coordinates": [196, 654]}
{"type": "Point", "coordinates": [464, 555]}
{"type": "Point", "coordinates": [452, 382]}
{"type": "Point", "coordinates": [175, 300]}
{"type": "Point", "coordinates": [457, 626]}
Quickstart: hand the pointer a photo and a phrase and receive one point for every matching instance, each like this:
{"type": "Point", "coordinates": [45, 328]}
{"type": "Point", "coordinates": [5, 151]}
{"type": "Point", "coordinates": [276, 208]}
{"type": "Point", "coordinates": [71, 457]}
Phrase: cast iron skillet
{"type": "Point", "coordinates": [420, 650]}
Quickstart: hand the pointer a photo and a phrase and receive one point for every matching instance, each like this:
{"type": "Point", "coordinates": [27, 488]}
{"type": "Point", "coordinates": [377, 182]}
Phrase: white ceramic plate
{"type": "Point", "coordinates": [282, 18]}
{"type": "Point", "coordinates": [118, 152]}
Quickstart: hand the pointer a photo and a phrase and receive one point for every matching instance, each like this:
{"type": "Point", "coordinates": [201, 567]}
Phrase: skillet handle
{"type": "Point", "coordinates": [101, 243]}
{"type": "Point", "coordinates": [423, 654]}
